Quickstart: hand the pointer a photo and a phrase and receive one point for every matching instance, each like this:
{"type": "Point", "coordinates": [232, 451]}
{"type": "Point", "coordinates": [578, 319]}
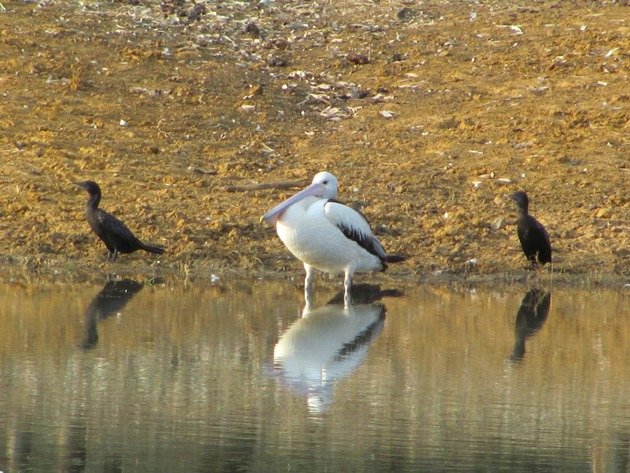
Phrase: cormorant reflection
{"type": "Point", "coordinates": [328, 343]}
{"type": "Point", "coordinates": [75, 455]}
{"type": "Point", "coordinates": [530, 318]}
{"type": "Point", "coordinates": [110, 300]}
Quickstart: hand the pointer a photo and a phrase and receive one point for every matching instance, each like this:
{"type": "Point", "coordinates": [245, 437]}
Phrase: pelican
{"type": "Point", "coordinates": [326, 235]}
{"type": "Point", "coordinates": [324, 346]}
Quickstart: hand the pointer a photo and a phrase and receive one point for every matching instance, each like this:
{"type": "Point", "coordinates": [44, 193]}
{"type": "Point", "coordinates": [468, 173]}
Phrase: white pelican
{"type": "Point", "coordinates": [325, 234]}
{"type": "Point", "coordinates": [324, 346]}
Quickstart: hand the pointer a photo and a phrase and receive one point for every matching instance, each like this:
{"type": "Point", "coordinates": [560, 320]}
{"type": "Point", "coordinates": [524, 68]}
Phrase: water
{"type": "Point", "coordinates": [234, 378]}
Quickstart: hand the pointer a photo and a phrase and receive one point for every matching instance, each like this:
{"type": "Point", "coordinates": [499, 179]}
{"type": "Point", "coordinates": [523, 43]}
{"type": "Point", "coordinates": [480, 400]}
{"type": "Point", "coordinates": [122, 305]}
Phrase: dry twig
{"type": "Point", "coordinates": [267, 185]}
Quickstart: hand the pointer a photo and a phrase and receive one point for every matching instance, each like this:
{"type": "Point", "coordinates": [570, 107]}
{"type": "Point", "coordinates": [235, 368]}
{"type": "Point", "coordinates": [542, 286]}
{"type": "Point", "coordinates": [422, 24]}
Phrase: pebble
{"type": "Point", "coordinates": [604, 213]}
{"type": "Point", "coordinates": [252, 28]}
{"type": "Point", "coordinates": [278, 61]}
{"type": "Point", "coordinates": [357, 58]}
{"type": "Point", "coordinates": [448, 123]}
{"type": "Point", "coordinates": [359, 94]}
{"type": "Point", "coordinates": [196, 12]}
{"type": "Point", "coordinates": [498, 223]}
{"type": "Point", "coordinates": [406, 14]}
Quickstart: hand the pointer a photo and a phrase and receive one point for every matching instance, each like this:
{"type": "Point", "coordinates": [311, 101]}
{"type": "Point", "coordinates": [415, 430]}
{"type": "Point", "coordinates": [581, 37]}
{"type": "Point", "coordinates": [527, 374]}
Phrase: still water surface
{"type": "Point", "coordinates": [242, 377]}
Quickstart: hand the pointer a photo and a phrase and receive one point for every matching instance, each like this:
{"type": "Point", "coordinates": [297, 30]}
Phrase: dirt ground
{"type": "Point", "coordinates": [429, 112]}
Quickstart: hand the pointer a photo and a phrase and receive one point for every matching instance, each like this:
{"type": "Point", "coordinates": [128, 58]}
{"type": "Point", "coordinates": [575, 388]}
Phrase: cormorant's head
{"type": "Point", "coordinates": [91, 187]}
{"type": "Point", "coordinates": [521, 200]}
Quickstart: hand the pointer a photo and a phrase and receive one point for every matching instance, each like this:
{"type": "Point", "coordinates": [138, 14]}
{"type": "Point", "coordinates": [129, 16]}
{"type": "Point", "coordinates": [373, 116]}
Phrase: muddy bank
{"type": "Point", "coordinates": [430, 114]}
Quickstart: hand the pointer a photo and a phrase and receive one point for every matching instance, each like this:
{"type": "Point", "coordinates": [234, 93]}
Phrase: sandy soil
{"type": "Point", "coordinates": [429, 112]}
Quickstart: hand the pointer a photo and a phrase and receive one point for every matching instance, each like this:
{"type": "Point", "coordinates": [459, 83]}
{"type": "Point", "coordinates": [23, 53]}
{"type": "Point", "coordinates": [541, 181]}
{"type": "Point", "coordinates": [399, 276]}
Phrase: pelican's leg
{"type": "Point", "coordinates": [347, 288]}
{"type": "Point", "coordinates": [308, 283]}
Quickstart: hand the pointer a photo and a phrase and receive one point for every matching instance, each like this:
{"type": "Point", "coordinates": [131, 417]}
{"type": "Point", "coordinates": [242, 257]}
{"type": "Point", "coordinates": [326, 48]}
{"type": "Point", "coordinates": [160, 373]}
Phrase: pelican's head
{"type": "Point", "coordinates": [329, 182]}
{"type": "Point", "coordinates": [324, 186]}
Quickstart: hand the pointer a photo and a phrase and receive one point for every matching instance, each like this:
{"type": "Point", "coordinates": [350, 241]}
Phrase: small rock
{"type": "Point", "coordinates": [498, 223]}
{"type": "Point", "coordinates": [449, 123]}
{"type": "Point", "coordinates": [278, 61]}
{"type": "Point", "coordinates": [357, 58]}
{"type": "Point", "coordinates": [280, 43]}
{"type": "Point", "coordinates": [255, 91]}
{"type": "Point", "coordinates": [252, 28]}
{"type": "Point", "coordinates": [196, 12]}
{"type": "Point", "coordinates": [397, 57]}
{"type": "Point", "coordinates": [604, 213]}
{"type": "Point", "coordinates": [523, 145]}
{"type": "Point", "coordinates": [559, 61]}
{"type": "Point", "coordinates": [296, 25]}
{"type": "Point", "coordinates": [406, 14]}
{"type": "Point", "coordinates": [359, 94]}
{"type": "Point", "coordinates": [542, 90]}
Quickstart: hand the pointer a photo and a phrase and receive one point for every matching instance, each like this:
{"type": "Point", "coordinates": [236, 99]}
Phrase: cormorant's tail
{"type": "Point", "coordinates": [394, 258]}
{"type": "Point", "coordinates": [158, 250]}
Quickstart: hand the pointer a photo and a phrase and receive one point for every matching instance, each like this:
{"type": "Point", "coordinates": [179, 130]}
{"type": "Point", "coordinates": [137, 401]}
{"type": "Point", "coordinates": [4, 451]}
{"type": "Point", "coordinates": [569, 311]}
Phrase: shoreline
{"type": "Point", "coordinates": [71, 272]}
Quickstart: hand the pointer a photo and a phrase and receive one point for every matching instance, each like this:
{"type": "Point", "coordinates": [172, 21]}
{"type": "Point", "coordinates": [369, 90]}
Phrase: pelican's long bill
{"type": "Point", "coordinates": [315, 189]}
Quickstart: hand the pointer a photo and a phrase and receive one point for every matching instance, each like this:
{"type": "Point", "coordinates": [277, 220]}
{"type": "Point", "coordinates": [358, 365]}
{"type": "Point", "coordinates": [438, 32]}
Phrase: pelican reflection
{"type": "Point", "coordinates": [111, 299]}
{"type": "Point", "coordinates": [327, 344]}
{"type": "Point", "coordinates": [530, 318]}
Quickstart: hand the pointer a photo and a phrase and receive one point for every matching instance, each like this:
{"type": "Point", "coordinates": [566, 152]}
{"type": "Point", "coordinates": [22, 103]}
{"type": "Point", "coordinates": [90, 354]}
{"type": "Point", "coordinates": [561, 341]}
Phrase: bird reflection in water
{"type": "Point", "coordinates": [530, 318]}
{"type": "Point", "coordinates": [111, 299]}
{"type": "Point", "coordinates": [328, 343]}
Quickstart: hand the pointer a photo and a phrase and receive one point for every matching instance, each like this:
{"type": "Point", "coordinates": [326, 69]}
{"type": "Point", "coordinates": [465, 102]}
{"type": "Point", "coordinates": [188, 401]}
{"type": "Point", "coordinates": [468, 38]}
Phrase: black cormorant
{"type": "Point", "coordinates": [532, 235]}
{"type": "Point", "coordinates": [115, 234]}
{"type": "Point", "coordinates": [530, 318]}
{"type": "Point", "coordinates": [111, 299]}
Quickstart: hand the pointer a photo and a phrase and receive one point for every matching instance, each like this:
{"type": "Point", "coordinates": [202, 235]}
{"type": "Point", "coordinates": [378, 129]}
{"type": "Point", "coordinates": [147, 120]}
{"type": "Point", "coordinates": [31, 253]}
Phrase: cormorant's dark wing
{"type": "Point", "coordinates": [114, 226]}
{"type": "Point", "coordinates": [540, 229]}
{"type": "Point", "coordinates": [535, 239]}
